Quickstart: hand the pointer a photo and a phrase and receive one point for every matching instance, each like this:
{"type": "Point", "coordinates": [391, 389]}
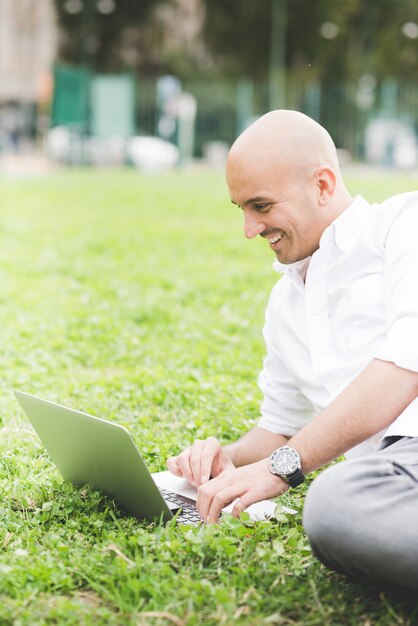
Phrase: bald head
{"type": "Point", "coordinates": [283, 172]}
{"type": "Point", "coordinates": [289, 138]}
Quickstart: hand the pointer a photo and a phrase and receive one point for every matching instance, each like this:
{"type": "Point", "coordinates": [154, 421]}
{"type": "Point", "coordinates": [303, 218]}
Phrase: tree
{"type": "Point", "coordinates": [326, 40]}
{"type": "Point", "coordinates": [104, 34]}
{"type": "Point", "coordinates": [335, 40]}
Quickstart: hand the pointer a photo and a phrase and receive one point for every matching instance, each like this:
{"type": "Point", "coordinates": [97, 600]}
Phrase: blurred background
{"type": "Point", "coordinates": [163, 83]}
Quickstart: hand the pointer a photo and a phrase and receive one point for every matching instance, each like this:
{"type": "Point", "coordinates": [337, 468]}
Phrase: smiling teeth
{"type": "Point", "coordinates": [276, 238]}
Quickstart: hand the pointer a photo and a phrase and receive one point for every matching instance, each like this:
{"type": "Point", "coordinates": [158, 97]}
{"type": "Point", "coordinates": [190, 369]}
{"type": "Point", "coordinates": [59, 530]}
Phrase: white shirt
{"type": "Point", "coordinates": [359, 301]}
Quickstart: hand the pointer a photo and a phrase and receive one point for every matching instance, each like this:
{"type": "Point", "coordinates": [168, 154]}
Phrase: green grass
{"type": "Point", "coordinates": [138, 299]}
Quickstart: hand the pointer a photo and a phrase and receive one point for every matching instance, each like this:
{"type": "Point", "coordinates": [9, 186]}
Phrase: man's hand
{"type": "Point", "coordinates": [200, 461]}
{"type": "Point", "coordinates": [247, 485]}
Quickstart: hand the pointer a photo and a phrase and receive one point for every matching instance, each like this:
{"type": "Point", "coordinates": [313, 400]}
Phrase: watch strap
{"type": "Point", "coordinates": [296, 478]}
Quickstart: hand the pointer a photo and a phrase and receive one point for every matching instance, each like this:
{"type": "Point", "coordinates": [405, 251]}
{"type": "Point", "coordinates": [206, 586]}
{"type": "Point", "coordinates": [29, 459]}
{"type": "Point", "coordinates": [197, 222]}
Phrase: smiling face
{"type": "Point", "coordinates": [282, 208]}
{"type": "Point", "coordinates": [280, 172]}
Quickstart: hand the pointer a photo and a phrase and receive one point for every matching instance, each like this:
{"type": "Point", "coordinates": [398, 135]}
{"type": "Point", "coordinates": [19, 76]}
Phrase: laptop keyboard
{"type": "Point", "coordinates": [189, 514]}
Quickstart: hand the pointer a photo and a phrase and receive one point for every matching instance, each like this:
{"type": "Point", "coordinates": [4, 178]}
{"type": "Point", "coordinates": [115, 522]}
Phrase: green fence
{"type": "Point", "coordinates": [112, 101]}
{"type": "Point", "coordinates": [105, 105]}
{"type": "Point", "coordinates": [94, 104]}
{"type": "Point", "coordinates": [71, 102]}
{"type": "Point", "coordinates": [224, 107]}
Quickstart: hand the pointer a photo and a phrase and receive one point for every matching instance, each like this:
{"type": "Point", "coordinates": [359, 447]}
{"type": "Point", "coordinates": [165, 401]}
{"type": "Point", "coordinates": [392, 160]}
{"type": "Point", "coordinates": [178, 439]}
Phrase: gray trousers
{"type": "Point", "coordinates": [361, 515]}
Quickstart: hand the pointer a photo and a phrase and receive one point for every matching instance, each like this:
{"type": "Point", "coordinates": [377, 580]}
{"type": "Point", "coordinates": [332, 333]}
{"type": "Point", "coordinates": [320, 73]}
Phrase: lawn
{"type": "Point", "coordinates": [138, 299]}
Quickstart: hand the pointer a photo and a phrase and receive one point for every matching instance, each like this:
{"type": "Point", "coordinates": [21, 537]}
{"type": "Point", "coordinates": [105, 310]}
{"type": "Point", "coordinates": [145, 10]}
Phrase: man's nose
{"type": "Point", "coordinates": [253, 226]}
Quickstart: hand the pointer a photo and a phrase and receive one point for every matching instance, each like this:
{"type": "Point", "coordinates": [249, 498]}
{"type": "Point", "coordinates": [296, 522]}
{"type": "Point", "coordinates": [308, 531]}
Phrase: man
{"type": "Point", "coordinates": [341, 367]}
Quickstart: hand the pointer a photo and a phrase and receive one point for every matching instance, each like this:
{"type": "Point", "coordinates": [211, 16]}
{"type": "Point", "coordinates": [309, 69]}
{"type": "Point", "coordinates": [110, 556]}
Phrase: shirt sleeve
{"type": "Point", "coordinates": [400, 344]}
{"type": "Point", "coordinates": [284, 409]}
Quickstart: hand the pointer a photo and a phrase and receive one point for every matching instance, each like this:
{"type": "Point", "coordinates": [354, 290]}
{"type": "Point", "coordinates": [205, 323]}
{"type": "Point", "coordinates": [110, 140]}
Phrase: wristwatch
{"type": "Point", "coordinates": [286, 462]}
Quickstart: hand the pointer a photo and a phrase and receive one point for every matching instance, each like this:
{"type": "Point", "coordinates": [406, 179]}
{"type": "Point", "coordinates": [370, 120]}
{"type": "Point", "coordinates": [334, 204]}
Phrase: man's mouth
{"type": "Point", "coordinates": [274, 237]}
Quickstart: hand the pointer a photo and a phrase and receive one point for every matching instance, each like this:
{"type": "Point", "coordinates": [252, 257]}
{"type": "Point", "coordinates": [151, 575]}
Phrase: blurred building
{"type": "Point", "coordinates": [28, 38]}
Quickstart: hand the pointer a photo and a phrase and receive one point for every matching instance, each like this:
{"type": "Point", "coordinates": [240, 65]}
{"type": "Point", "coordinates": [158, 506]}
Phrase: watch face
{"type": "Point", "coordinates": [285, 461]}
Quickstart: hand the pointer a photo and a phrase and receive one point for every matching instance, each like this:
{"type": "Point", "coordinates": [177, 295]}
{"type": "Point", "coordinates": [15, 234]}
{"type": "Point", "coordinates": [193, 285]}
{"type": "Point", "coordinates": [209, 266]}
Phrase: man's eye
{"type": "Point", "coordinates": [262, 207]}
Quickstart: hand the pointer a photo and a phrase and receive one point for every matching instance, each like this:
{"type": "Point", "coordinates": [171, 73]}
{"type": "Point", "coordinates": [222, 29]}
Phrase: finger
{"type": "Point", "coordinates": [242, 503]}
{"type": "Point", "coordinates": [211, 451]}
{"type": "Point", "coordinates": [173, 467]}
{"type": "Point", "coordinates": [195, 460]}
{"type": "Point", "coordinates": [221, 463]}
{"type": "Point", "coordinates": [217, 465]}
{"type": "Point", "coordinates": [205, 494]}
{"type": "Point", "coordinates": [183, 462]}
{"type": "Point", "coordinates": [222, 499]}
{"type": "Point", "coordinates": [213, 496]}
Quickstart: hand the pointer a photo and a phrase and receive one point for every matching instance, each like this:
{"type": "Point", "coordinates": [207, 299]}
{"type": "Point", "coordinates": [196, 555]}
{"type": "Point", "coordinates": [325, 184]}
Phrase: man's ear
{"type": "Point", "coordinates": [325, 180]}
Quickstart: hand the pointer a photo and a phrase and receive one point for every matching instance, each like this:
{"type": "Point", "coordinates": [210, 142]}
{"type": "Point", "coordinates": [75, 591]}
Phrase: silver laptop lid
{"type": "Point", "coordinates": [90, 450]}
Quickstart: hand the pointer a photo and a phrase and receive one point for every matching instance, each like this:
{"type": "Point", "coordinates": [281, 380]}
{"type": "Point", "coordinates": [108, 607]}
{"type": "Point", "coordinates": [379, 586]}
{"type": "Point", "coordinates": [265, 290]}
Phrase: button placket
{"type": "Point", "coordinates": [317, 318]}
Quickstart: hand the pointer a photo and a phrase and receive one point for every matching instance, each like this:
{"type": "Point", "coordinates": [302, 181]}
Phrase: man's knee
{"type": "Point", "coordinates": [357, 519]}
{"type": "Point", "coordinates": [325, 510]}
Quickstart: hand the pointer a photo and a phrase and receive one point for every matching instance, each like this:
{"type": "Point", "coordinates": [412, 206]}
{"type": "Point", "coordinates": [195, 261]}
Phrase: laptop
{"type": "Point", "coordinates": [88, 450]}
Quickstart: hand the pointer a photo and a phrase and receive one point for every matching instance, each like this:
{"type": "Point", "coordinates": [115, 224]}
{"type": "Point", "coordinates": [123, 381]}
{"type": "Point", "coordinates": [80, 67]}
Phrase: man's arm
{"type": "Point", "coordinates": [371, 402]}
{"type": "Point", "coordinates": [253, 446]}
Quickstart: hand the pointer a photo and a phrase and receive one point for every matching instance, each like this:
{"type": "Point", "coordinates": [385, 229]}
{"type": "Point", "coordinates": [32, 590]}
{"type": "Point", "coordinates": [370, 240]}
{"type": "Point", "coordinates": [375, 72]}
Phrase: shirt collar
{"type": "Point", "coordinates": [347, 229]}
{"type": "Point", "coordinates": [291, 268]}
{"type": "Point", "coordinates": [349, 226]}
{"type": "Point", "coordinates": [295, 272]}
